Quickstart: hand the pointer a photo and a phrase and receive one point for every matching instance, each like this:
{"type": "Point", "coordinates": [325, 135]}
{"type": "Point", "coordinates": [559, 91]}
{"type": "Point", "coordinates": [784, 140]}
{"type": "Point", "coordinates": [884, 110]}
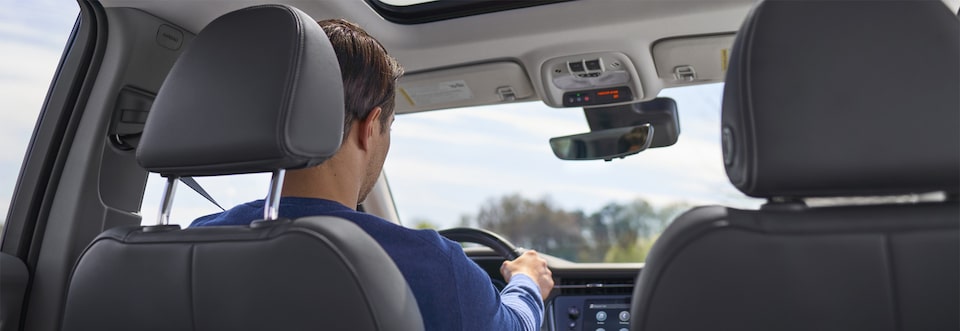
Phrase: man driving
{"type": "Point", "coordinates": [452, 292]}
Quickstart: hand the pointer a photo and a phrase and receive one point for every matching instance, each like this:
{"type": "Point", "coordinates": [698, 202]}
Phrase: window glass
{"type": "Point", "coordinates": [492, 167]}
{"type": "Point", "coordinates": [228, 191]}
{"type": "Point", "coordinates": [32, 36]}
{"type": "Point", "coordinates": [405, 2]}
{"type": "Point", "coordinates": [424, 11]}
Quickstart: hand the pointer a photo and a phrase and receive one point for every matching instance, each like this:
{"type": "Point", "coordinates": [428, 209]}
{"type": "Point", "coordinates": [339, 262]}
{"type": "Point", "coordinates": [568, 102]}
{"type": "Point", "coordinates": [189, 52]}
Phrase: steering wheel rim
{"type": "Point", "coordinates": [499, 244]}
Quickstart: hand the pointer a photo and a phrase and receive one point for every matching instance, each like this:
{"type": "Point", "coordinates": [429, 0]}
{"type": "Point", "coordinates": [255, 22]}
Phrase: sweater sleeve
{"type": "Point", "coordinates": [518, 307]}
{"type": "Point", "coordinates": [522, 297]}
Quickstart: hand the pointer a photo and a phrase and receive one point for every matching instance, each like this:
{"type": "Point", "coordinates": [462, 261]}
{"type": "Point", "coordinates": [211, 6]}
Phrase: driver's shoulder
{"type": "Point", "coordinates": [428, 241]}
{"type": "Point", "coordinates": [392, 236]}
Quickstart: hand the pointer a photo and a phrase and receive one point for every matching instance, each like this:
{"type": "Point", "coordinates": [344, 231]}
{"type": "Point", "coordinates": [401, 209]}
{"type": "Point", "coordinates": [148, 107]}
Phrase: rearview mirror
{"type": "Point", "coordinates": [660, 113]}
{"type": "Point", "coordinates": [604, 144]}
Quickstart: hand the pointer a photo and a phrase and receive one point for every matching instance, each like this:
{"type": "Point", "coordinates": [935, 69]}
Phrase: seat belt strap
{"type": "Point", "coordinates": [192, 183]}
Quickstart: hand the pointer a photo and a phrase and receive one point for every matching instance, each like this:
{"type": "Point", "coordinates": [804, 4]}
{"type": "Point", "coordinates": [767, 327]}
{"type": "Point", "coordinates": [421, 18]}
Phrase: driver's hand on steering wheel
{"type": "Point", "coordinates": [531, 264]}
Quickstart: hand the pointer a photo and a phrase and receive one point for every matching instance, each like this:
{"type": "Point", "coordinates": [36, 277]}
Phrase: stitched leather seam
{"type": "Point", "coordinates": [892, 274]}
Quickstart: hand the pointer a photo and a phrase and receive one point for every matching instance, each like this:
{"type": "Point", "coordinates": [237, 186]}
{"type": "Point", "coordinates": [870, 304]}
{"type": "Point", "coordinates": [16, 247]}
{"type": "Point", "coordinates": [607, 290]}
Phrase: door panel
{"type": "Point", "coordinates": [13, 280]}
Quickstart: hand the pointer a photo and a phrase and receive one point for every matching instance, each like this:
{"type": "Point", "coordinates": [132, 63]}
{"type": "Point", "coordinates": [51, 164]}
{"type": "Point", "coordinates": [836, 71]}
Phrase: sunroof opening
{"type": "Point", "coordinates": [401, 3]}
{"type": "Point", "coordinates": [424, 11]}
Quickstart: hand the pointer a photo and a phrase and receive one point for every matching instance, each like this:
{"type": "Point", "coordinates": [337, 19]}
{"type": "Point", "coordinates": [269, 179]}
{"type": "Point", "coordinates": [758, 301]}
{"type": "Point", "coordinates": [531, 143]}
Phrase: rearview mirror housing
{"type": "Point", "coordinates": [603, 144]}
{"type": "Point", "coordinates": [661, 113]}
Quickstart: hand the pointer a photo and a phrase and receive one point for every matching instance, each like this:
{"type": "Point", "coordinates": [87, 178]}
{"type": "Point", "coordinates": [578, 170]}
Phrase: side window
{"type": "Point", "coordinates": [32, 36]}
{"type": "Point", "coordinates": [228, 191]}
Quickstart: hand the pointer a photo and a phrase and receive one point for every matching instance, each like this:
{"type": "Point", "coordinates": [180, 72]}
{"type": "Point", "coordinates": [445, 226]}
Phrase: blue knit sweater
{"type": "Point", "coordinates": [453, 293]}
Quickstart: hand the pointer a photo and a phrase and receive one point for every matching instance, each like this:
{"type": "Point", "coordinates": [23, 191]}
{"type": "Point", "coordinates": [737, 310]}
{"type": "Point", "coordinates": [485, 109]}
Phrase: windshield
{"type": "Point", "coordinates": [492, 167]}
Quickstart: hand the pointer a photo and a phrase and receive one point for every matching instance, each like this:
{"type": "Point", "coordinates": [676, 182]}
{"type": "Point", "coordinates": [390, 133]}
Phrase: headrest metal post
{"type": "Point", "coordinates": [271, 208]}
{"type": "Point", "coordinates": [166, 201]}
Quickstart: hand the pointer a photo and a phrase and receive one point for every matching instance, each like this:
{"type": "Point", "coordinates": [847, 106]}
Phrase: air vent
{"type": "Point", "coordinates": [593, 286]}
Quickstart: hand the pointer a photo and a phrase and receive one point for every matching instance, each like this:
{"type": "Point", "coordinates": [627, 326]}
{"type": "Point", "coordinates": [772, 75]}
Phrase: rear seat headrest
{"type": "Point", "coordinates": [844, 98]}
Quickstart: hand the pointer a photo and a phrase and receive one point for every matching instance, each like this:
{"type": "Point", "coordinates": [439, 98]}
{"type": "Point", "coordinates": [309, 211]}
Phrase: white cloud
{"type": "Point", "coordinates": [442, 164]}
{"type": "Point", "coordinates": [23, 32]}
{"type": "Point", "coordinates": [229, 191]}
{"type": "Point", "coordinates": [449, 163]}
{"type": "Point", "coordinates": [32, 37]}
{"type": "Point", "coordinates": [548, 122]}
{"type": "Point", "coordinates": [418, 132]}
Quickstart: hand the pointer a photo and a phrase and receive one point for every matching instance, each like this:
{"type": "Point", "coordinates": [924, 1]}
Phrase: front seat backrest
{"type": "Point", "coordinates": [833, 100]}
{"type": "Point", "coordinates": [258, 90]}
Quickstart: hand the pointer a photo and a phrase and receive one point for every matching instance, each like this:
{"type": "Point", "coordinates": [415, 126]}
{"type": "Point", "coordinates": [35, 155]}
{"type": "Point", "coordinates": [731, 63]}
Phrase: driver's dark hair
{"type": "Point", "coordinates": [369, 73]}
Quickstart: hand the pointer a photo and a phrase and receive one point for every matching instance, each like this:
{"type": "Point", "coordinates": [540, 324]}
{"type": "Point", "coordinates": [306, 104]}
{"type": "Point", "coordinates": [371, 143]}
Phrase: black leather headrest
{"type": "Point", "coordinates": [844, 98]}
{"type": "Point", "coordinates": [259, 89]}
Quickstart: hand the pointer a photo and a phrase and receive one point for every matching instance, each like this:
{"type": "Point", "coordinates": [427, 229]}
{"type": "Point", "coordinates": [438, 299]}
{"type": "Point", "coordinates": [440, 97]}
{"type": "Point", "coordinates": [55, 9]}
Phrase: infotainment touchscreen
{"type": "Point", "coordinates": [590, 313]}
{"type": "Point", "coordinates": [606, 315]}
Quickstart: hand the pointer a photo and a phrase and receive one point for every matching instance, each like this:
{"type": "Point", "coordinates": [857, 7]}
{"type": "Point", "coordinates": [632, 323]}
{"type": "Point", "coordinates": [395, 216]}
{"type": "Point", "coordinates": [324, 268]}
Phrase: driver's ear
{"type": "Point", "coordinates": [369, 126]}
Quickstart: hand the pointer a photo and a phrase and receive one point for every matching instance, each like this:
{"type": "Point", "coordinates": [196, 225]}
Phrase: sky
{"type": "Point", "coordinates": [442, 164]}
{"type": "Point", "coordinates": [446, 163]}
{"type": "Point", "coordinates": [32, 36]}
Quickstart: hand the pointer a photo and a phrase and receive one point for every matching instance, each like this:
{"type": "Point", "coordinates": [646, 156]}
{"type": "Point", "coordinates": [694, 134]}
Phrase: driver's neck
{"type": "Point", "coordinates": [337, 179]}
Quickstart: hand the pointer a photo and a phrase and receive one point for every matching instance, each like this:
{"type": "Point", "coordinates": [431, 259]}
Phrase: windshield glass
{"type": "Point", "coordinates": [492, 167]}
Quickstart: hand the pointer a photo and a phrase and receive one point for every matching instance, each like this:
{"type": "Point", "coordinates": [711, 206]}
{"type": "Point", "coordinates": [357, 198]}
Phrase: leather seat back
{"type": "Point", "coordinates": [259, 89]}
{"type": "Point", "coordinates": [318, 273]}
{"type": "Point", "coordinates": [826, 99]}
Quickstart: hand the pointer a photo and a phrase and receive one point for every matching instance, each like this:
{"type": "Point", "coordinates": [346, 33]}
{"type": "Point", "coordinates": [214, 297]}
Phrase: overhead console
{"type": "Point", "coordinates": [593, 79]}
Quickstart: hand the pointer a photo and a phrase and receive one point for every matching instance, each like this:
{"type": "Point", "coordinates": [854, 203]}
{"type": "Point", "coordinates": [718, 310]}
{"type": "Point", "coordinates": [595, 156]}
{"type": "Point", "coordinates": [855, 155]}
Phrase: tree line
{"type": "Point", "coordinates": [618, 232]}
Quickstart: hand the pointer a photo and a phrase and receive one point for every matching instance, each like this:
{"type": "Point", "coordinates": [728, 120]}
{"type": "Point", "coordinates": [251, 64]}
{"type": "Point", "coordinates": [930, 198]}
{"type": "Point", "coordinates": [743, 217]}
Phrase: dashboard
{"type": "Point", "coordinates": [585, 297]}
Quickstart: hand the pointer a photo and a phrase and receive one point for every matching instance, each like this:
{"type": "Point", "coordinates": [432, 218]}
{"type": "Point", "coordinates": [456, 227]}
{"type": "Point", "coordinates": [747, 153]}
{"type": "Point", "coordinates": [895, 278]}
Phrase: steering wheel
{"type": "Point", "coordinates": [486, 238]}
{"type": "Point", "coordinates": [483, 237]}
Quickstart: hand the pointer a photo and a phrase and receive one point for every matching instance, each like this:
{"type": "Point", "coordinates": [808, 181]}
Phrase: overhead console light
{"type": "Point", "coordinates": [590, 80]}
{"type": "Point", "coordinates": [586, 68]}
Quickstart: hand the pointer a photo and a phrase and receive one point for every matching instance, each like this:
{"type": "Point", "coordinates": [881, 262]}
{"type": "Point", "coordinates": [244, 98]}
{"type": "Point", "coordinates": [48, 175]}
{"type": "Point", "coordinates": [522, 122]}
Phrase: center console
{"type": "Point", "coordinates": [590, 313]}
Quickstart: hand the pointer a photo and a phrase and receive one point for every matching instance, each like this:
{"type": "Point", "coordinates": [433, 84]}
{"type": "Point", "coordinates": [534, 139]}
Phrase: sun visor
{"type": "Point", "coordinates": [482, 84]}
{"type": "Point", "coordinates": [692, 60]}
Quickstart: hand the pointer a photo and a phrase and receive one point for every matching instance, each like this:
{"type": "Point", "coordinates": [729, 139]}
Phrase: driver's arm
{"type": "Point", "coordinates": [518, 307]}
{"type": "Point", "coordinates": [532, 265]}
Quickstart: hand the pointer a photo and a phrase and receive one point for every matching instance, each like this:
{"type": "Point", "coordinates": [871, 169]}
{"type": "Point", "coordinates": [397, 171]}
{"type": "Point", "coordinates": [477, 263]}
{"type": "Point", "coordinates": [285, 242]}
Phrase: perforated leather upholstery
{"type": "Point", "coordinates": [825, 98]}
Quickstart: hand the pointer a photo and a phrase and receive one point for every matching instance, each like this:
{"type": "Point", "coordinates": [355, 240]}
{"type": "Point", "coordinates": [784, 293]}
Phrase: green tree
{"type": "Point", "coordinates": [669, 213]}
{"type": "Point", "coordinates": [422, 223]}
{"type": "Point", "coordinates": [535, 224]}
{"type": "Point", "coordinates": [618, 232]}
{"type": "Point", "coordinates": [631, 229]}
{"type": "Point", "coordinates": [634, 252]}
